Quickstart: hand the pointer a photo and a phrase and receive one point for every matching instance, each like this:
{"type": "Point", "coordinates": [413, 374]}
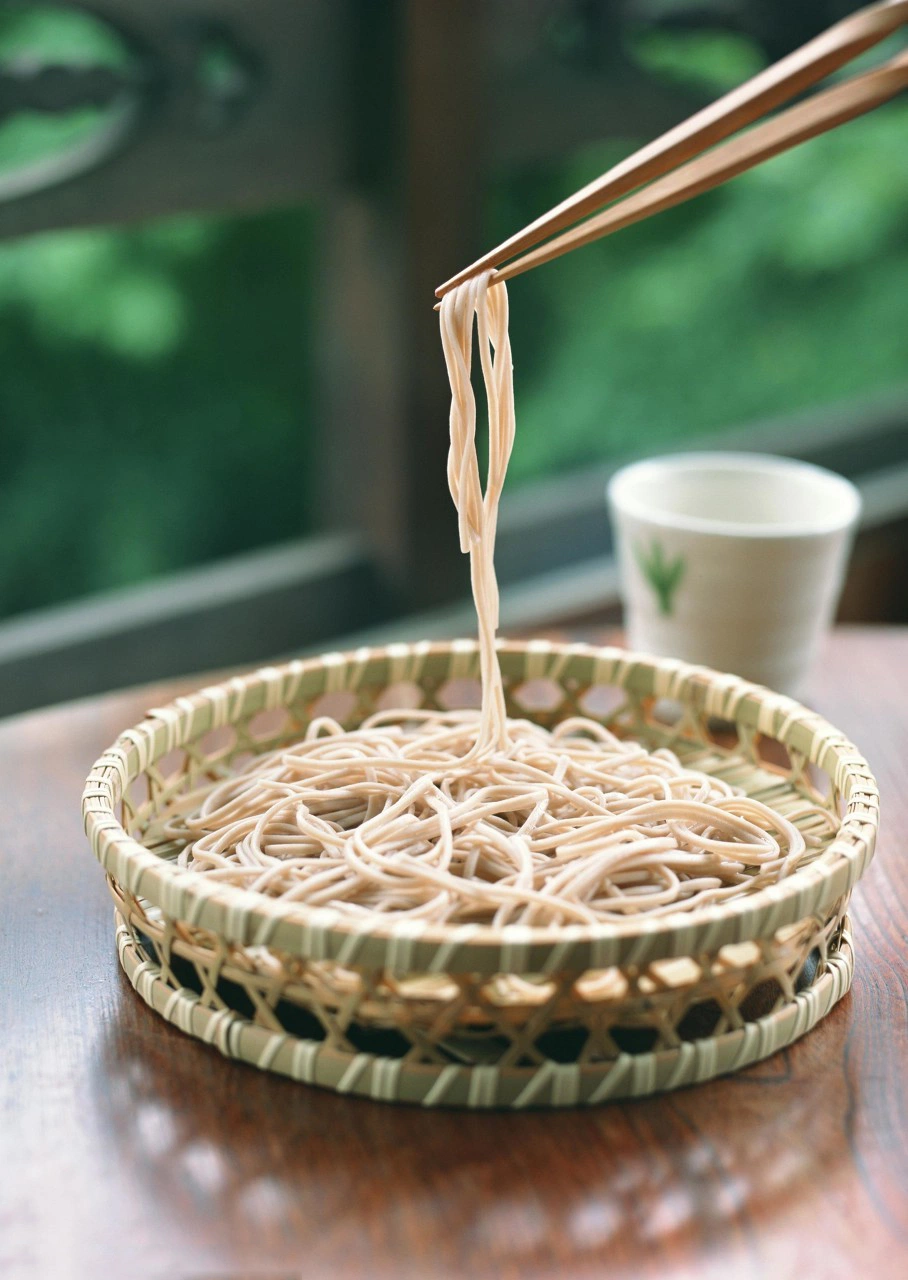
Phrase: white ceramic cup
{"type": "Point", "coordinates": [732, 560]}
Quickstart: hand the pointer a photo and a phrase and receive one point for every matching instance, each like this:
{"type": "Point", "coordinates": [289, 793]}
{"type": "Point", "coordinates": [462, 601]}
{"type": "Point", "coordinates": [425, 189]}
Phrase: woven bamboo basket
{"type": "Point", "coordinates": [470, 1015]}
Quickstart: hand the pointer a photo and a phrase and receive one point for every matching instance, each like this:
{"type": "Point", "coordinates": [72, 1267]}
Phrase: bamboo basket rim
{"type": "Point", "coordinates": [246, 918]}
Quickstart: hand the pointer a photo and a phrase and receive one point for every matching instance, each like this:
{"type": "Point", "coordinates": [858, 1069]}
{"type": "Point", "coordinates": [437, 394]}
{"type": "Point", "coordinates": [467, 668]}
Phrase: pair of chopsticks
{"type": "Point", "coordinates": [669, 185]}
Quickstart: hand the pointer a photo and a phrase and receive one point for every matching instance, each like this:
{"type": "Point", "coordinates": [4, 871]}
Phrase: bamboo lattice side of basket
{"type": "Point", "coordinates": [369, 1072]}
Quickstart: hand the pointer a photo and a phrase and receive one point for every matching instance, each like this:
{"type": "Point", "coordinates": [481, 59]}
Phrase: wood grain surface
{"type": "Point", "coordinates": [129, 1150]}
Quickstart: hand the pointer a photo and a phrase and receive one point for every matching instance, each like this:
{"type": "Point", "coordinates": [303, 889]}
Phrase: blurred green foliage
{"type": "Point", "coordinates": [156, 397]}
{"type": "Point", "coordinates": [157, 405]}
{"type": "Point", "coordinates": [154, 401]}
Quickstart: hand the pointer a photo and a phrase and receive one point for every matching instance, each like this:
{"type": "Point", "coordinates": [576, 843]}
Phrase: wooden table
{"type": "Point", "coordinates": [127, 1149]}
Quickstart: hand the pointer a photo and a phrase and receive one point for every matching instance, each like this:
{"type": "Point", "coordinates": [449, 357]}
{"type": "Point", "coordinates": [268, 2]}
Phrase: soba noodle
{"type": "Point", "coordinates": [473, 817]}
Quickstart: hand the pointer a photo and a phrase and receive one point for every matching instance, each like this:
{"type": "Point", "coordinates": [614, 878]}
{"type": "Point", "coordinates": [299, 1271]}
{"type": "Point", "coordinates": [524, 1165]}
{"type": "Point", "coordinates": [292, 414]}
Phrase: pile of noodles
{"type": "Point", "coordinates": [468, 816]}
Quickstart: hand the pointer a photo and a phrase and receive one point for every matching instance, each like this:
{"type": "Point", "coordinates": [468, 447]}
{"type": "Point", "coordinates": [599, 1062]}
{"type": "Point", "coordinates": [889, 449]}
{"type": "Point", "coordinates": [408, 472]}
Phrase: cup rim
{"type": "Point", "coordinates": [622, 499]}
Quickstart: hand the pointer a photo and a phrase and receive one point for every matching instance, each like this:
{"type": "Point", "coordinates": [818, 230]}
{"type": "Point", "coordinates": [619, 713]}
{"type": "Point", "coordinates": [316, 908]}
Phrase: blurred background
{"type": "Point", "coordinates": [223, 408]}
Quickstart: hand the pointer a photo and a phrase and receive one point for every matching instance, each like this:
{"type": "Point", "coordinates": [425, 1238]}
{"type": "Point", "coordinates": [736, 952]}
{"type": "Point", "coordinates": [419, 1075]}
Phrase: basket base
{"type": "Point", "coordinates": [562, 1084]}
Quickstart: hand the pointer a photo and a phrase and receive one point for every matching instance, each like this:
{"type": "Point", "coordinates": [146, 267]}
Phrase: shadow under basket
{"type": "Point", "coordinates": [471, 1015]}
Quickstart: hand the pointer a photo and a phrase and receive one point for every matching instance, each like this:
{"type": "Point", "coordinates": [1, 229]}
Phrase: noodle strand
{"type": "Point", "coordinates": [461, 816]}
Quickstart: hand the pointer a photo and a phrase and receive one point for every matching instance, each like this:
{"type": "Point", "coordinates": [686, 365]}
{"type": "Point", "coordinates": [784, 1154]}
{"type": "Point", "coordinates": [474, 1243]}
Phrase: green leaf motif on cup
{"type": "Point", "coordinates": [662, 574]}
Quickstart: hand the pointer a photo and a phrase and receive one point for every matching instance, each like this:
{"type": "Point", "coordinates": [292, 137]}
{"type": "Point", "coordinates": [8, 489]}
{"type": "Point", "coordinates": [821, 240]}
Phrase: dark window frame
{"type": "Point", "coordinates": [340, 108]}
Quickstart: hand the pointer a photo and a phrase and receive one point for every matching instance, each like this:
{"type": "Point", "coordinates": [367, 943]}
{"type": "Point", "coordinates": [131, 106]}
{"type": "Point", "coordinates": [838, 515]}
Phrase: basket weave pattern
{"type": "Point", "coordinates": [468, 1014]}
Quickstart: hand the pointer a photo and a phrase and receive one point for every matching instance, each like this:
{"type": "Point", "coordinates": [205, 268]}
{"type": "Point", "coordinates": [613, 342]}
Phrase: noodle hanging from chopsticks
{"type": "Point", "coordinates": [474, 817]}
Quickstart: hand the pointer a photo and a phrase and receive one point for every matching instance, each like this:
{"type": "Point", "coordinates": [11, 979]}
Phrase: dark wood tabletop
{"type": "Point", "coordinates": [127, 1149]}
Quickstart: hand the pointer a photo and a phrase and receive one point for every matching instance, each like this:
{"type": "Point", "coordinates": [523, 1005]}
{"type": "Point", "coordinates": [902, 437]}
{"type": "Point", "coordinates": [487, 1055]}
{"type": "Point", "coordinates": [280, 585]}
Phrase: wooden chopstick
{"type": "Point", "coordinates": [768, 89]}
{"type": "Point", "coordinates": [818, 114]}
